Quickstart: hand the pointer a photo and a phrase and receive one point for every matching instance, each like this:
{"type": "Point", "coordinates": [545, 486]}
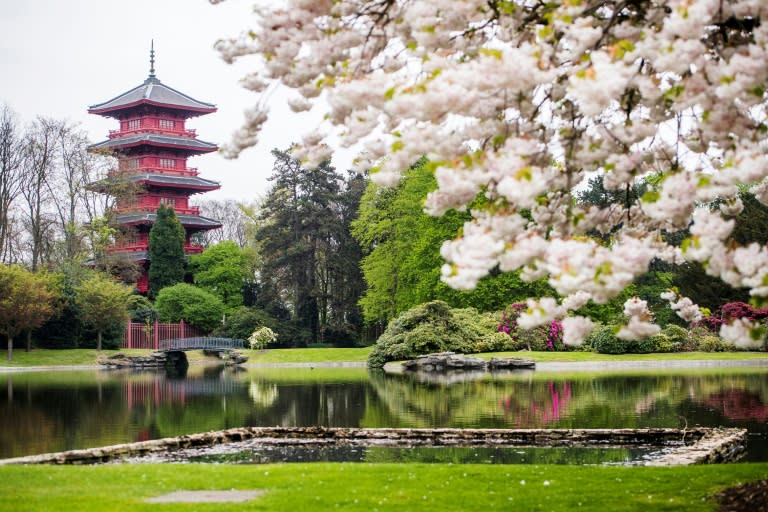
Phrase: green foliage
{"type": "Point", "coordinates": [402, 253]}
{"type": "Point", "coordinates": [712, 343]}
{"type": "Point", "coordinates": [64, 329]}
{"type": "Point", "coordinates": [497, 342]}
{"type": "Point", "coordinates": [240, 323]}
{"type": "Point", "coordinates": [223, 269]}
{"type": "Point", "coordinates": [662, 343]}
{"type": "Point", "coordinates": [103, 303]}
{"type": "Point", "coordinates": [533, 339]}
{"type": "Point", "coordinates": [430, 327]}
{"type": "Point", "coordinates": [166, 251]}
{"type": "Point", "coordinates": [309, 259]}
{"type": "Point", "coordinates": [603, 340]}
{"type": "Point", "coordinates": [677, 334]}
{"type": "Point", "coordinates": [142, 310]}
{"type": "Point", "coordinates": [186, 302]}
{"type": "Point", "coordinates": [26, 301]}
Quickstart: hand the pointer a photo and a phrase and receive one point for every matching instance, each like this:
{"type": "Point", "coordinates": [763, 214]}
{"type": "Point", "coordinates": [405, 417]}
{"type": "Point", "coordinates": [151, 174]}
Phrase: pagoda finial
{"type": "Point", "coordinates": [152, 59]}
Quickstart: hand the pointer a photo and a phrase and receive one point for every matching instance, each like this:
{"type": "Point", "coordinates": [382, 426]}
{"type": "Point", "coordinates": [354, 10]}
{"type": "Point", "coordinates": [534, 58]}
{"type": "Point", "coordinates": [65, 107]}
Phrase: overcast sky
{"type": "Point", "coordinates": [57, 57]}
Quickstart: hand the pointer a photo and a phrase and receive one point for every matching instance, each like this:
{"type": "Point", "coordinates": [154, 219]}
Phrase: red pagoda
{"type": "Point", "coordinates": [152, 147]}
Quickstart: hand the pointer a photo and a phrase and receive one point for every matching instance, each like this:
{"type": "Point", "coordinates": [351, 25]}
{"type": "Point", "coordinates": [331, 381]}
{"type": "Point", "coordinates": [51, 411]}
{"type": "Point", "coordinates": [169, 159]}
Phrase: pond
{"type": "Point", "coordinates": [44, 412]}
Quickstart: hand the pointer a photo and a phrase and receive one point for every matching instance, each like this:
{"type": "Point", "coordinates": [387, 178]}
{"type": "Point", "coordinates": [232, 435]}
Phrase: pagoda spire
{"type": "Point", "coordinates": [152, 59]}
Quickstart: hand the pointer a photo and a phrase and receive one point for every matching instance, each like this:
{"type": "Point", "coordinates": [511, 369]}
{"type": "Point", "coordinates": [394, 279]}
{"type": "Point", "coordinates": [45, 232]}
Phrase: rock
{"type": "Point", "coordinates": [444, 361]}
{"type": "Point", "coordinates": [510, 363]}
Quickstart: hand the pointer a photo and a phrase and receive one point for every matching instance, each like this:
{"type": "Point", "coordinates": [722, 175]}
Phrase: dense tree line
{"type": "Point", "coordinates": [402, 261]}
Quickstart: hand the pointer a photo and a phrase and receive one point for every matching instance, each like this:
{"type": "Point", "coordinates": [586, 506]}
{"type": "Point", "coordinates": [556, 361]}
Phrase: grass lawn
{"type": "Point", "coordinates": [374, 487]}
{"type": "Point", "coordinates": [77, 357]}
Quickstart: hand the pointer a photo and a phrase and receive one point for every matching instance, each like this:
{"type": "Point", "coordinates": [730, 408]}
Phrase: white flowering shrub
{"type": "Point", "coordinates": [520, 102]}
{"type": "Point", "coordinates": [261, 337]}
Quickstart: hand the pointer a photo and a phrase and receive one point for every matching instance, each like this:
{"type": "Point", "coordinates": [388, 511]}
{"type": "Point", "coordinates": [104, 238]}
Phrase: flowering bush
{"type": "Point", "coordinates": [261, 337]}
{"type": "Point", "coordinates": [555, 335]}
{"type": "Point", "coordinates": [518, 102]}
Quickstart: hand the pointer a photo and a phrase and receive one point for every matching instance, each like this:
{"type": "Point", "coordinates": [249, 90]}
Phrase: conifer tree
{"type": "Point", "coordinates": [166, 251]}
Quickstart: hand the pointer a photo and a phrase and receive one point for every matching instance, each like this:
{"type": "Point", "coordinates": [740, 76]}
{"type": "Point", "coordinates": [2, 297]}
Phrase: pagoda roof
{"type": "Point", "coordinates": [153, 92]}
{"type": "Point", "coordinates": [194, 183]}
{"type": "Point", "coordinates": [188, 221]}
{"type": "Point", "coordinates": [158, 140]}
{"type": "Point", "coordinates": [172, 181]}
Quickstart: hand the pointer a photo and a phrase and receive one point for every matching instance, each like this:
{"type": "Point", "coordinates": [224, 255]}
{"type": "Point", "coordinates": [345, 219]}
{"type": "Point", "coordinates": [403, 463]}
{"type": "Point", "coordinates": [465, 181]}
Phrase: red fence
{"type": "Point", "coordinates": [141, 335]}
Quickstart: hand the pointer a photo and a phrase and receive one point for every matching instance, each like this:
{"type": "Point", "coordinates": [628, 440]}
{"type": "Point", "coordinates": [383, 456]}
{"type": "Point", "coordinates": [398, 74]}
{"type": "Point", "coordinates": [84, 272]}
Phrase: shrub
{"type": "Point", "coordinates": [186, 302]}
{"type": "Point", "coordinates": [430, 327]}
{"type": "Point", "coordinates": [534, 339]}
{"type": "Point", "coordinates": [713, 343]}
{"type": "Point", "coordinates": [243, 321]}
{"type": "Point", "coordinates": [496, 342]}
{"type": "Point", "coordinates": [662, 343]}
{"type": "Point", "coordinates": [680, 337]}
{"type": "Point", "coordinates": [603, 339]}
{"type": "Point", "coordinates": [261, 337]}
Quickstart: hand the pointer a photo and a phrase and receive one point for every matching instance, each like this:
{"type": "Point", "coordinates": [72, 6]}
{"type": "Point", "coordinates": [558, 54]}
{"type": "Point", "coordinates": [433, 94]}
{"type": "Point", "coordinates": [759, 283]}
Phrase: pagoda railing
{"type": "Point", "coordinates": [152, 208]}
{"type": "Point", "coordinates": [114, 134]}
{"type": "Point", "coordinates": [143, 246]}
{"type": "Point", "coordinates": [119, 173]}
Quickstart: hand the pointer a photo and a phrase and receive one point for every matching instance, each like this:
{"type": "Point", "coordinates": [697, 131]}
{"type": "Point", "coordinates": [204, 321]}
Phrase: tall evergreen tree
{"type": "Point", "coordinates": [305, 246]}
{"type": "Point", "coordinates": [166, 251]}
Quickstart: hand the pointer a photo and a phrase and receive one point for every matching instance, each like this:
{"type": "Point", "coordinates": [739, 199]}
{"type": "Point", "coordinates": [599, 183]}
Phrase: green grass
{"type": "Point", "coordinates": [374, 487]}
{"type": "Point", "coordinates": [308, 355]}
{"type": "Point", "coordinates": [44, 357]}
{"type": "Point", "coordinates": [78, 357]}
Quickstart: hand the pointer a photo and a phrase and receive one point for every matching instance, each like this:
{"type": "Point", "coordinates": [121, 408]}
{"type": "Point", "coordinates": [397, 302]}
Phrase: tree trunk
{"type": "Point", "coordinates": [10, 348]}
{"type": "Point", "coordinates": [98, 341]}
{"type": "Point", "coordinates": [29, 340]}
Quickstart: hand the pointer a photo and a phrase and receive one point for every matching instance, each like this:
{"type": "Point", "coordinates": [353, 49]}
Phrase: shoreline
{"type": "Point", "coordinates": [394, 367]}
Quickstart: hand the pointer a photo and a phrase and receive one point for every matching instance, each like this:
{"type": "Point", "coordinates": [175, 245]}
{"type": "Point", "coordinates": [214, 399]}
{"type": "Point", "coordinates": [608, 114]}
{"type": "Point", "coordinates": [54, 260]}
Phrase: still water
{"type": "Point", "coordinates": [54, 411]}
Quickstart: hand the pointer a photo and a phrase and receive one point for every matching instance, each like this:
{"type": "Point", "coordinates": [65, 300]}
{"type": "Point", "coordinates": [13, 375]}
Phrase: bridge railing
{"type": "Point", "coordinates": [199, 343]}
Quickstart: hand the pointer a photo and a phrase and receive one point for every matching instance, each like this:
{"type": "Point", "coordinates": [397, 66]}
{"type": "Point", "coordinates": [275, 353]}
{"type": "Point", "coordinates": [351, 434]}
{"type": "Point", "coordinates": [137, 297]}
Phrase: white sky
{"type": "Point", "coordinates": [57, 57]}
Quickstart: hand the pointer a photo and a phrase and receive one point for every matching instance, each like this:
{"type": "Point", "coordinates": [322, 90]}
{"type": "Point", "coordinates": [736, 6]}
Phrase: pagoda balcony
{"type": "Point", "coordinates": [128, 247]}
{"type": "Point", "coordinates": [132, 208]}
{"type": "Point", "coordinates": [144, 246]}
{"type": "Point", "coordinates": [114, 134]}
{"type": "Point", "coordinates": [186, 171]}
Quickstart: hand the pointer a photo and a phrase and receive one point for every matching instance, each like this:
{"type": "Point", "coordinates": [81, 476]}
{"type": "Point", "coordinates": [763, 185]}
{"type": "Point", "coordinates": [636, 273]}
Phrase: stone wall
{"type": "Point", "coordinates": [687, 446]}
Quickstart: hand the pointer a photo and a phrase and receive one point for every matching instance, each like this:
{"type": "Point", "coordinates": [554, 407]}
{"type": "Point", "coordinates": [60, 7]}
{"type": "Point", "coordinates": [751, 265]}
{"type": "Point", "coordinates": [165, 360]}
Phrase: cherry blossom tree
{"type": "Point", "coordinates": [521, 101]}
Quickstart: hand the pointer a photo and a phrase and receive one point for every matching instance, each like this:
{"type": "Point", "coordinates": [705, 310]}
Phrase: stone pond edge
{"type": "Point", "coordinates": [710, 445]}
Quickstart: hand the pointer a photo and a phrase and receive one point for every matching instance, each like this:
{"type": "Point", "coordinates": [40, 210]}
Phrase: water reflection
{"type": "Point", "coordinates": [55, 411]}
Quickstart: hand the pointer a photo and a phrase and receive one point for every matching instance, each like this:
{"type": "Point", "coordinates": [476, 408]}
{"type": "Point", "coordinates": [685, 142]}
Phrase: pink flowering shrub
{"type": "Point", "coordinates": [538, 338]}
{"type": "Point", "coordinates": [732, 311]}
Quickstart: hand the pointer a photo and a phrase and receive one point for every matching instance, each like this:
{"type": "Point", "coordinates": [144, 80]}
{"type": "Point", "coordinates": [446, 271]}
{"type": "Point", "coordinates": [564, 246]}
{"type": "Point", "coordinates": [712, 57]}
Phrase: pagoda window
{"type": "Point", "coordinates": [168, 163]}
{"type": "Point", "coordinates": [167, 124]}
{"type": "Point", "coordinates": [134, 124]}
{"type": "Point", "coordinates": [168, 201]}
{"type": "Point", "coordinates": [130, 163]}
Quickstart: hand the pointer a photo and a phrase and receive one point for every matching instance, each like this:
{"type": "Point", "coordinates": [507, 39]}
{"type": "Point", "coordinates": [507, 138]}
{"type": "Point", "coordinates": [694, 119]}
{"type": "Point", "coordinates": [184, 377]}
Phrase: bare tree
{"type": "Point", "coordinates": [10, 179]}
{"type": "Point", "coordinates": [238, 221]}
{"type": "Point", "coordinates": [39, 160]}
